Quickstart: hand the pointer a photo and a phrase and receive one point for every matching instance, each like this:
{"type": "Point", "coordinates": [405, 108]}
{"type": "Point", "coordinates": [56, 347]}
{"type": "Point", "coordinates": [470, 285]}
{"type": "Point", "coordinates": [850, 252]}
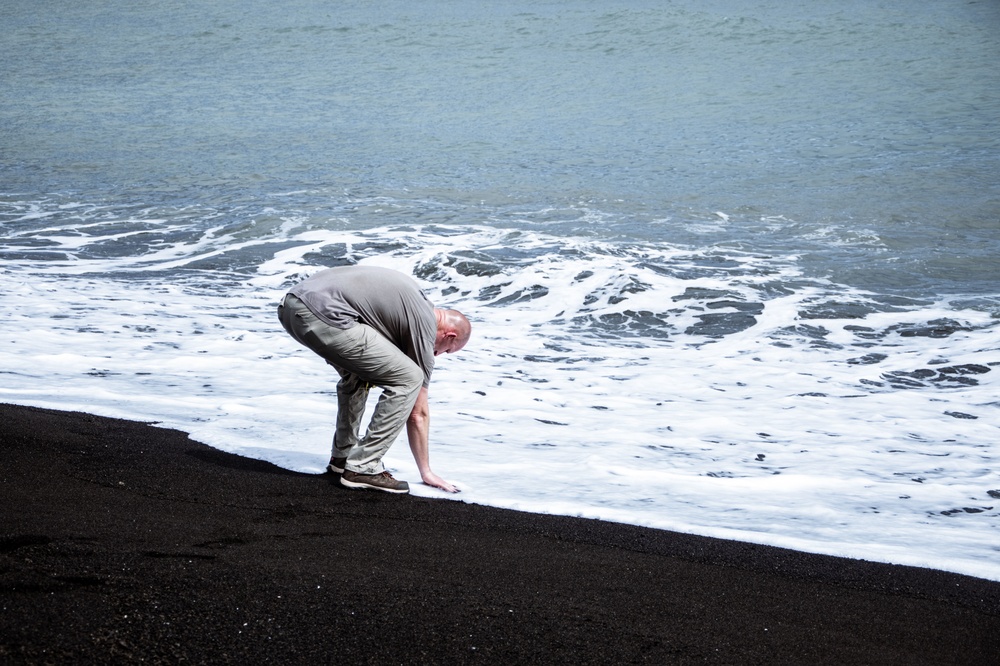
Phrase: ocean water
{"type": "Point", "coordinates": [732, 266]}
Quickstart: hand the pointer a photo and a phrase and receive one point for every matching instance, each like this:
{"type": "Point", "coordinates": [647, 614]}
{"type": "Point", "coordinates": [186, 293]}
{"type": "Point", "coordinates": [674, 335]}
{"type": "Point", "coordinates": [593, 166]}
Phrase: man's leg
{"type": "Point", "coordinates": [375, 360]}
{"type": "Point", "coordinates": [352, 392]}
{"type": "Point", "coordinates": [352, 395]}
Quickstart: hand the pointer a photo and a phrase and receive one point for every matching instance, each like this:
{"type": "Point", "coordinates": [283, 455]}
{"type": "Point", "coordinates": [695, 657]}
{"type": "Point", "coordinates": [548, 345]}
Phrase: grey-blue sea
{"type": "Point", "coordinates": [861, 136]}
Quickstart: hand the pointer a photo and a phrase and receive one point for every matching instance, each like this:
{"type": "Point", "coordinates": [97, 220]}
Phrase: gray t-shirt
{"type": "Point", "coordinates": [388, 301]}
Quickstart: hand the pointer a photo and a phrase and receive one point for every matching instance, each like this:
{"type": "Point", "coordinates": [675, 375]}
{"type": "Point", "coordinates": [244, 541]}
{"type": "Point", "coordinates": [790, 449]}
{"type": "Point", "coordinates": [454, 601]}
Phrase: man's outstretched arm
{"type": "Point", "coordinates": [418, 428]}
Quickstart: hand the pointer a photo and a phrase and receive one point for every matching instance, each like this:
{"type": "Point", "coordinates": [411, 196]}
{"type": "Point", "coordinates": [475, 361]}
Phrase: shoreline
{"type": "Point", "coordinates": [124, 541]}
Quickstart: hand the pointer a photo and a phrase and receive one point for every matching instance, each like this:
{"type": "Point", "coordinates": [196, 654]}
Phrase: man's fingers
{"type": "Point", "coordinates": [436, 481]}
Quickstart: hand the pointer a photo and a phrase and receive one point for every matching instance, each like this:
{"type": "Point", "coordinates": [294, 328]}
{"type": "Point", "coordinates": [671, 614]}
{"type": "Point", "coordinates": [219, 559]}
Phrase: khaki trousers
{"type": "Point", "coordinates": [364, 358]}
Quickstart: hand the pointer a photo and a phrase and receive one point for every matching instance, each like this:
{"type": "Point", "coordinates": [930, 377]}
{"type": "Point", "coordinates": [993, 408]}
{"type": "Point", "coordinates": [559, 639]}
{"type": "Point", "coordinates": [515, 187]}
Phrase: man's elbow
{"type": "Point", "coordinates": [419, 417]}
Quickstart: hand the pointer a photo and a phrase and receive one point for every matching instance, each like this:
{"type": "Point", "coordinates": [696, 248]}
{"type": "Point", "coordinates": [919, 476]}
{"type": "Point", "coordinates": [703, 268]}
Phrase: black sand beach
{"type": "Point", "coordinates": [121, 542]}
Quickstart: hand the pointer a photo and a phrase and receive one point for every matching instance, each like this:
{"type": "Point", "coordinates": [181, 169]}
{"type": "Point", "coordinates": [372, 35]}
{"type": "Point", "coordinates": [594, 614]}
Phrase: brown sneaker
{"type": "Point", "coordinates": [383, 482]}
{"type": "Point", "coordinates": [337, 465]}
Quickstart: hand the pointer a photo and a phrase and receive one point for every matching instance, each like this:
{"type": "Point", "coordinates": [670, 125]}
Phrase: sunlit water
{"type": "Point", "coordinates": [732, 268]}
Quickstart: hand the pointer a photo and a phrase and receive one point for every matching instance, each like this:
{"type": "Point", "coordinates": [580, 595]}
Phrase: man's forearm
{"type": "Point", "coordinates": [418, 428]}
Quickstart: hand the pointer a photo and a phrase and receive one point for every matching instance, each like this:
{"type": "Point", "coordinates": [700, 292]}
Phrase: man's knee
{"type": "Point", "coordinates": [412, 379]}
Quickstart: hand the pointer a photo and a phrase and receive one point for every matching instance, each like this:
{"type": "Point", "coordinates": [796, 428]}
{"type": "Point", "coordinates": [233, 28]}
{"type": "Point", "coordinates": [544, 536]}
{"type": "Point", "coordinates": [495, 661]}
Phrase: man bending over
{"type": "Point", "coordinates": [377, 328]}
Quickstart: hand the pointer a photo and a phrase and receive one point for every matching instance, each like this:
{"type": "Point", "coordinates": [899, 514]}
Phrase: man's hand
{"type": "Point", "coordinates": [432, 479]}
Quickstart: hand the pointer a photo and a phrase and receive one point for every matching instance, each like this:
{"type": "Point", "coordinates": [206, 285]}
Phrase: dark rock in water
{"type": "Point", "coordinates": [630, 323]}
{"type": "Point", "coordinates": [809, 331]}
{"type": "Point", "coordinates": [950, 377]}
{"type": "Point", "coordinates": [865, 332]}
{"type": "Point", "coordinates": [939, 328]}
{"type": "Point", "coordinates": [491, 292]}
{"type": "Point", "coordinates": [531, 293]}
{"type": "Point", "coordinates": [700, 293]}
{"type": "Point", "coordinates": [902, 379]}
{"type": "Point", "coordinates": [472, 263]}
{"type": "Point", "coordinates": [722, 323]}
{"type": "Point", "coordinates": [966, 509]}
{"type": "Point", "coordinates": [868, 359]}
{"type": "Point", "coordinates": [967, 369]}
{"type": "Point", "coordinates": [334, 254]}
{"type": "Point", "coordinates": [837, 310]}
{"type": "Point", "coordinates": [740, 306]}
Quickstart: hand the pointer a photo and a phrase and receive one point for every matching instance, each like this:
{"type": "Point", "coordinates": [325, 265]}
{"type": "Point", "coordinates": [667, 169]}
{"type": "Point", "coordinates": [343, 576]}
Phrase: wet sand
{"type": "Point", "coordinates": [122, 542]}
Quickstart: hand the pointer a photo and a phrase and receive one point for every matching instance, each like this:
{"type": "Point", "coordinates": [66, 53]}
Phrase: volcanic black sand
{"type": "Point", "coordinates": [121, 542]}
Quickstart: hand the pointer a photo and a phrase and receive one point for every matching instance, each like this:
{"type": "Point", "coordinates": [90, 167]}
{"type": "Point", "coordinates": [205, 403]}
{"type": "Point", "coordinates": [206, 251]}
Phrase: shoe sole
{"type": "Point", "coordinates": [367, 486]}
{"type": "Point", "coordinates": [334, 470]}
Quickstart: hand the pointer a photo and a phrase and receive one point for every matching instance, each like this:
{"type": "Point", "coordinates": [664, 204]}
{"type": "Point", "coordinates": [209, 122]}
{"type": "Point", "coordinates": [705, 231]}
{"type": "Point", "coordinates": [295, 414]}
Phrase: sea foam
{"type": "Point", "coordinates": [709, 391]}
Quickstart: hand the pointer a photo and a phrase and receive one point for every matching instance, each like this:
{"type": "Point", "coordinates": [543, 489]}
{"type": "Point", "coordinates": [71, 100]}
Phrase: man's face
{"type": "Point", "coordinates": [446, 343]}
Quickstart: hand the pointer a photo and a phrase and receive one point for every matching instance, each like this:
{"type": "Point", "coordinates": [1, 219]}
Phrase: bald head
{"type": "Point", "coordinates": [453, 331]}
